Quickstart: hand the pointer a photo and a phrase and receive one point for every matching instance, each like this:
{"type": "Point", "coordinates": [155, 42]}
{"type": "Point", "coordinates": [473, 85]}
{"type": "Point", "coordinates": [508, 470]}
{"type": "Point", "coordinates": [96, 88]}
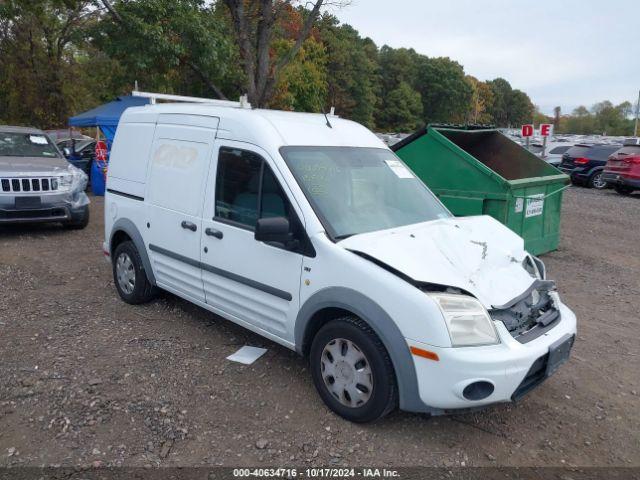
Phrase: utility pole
{"type": "Point", "coordinates": [635, 130]}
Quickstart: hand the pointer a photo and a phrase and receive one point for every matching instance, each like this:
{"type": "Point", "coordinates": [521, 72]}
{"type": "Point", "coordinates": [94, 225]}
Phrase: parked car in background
{"type": "Point", "coordinates": [622, 171]}
{"type": "Point", "coordinates": [554, 152]}
{"type": "Point", "coordinates": [65, 134]}
{"type": "Point", "coordinates": [585, 162]}
{"type": "Point", "coordinates": [37, 184]}
{"type": "Point", "coordinates": [80, 152]}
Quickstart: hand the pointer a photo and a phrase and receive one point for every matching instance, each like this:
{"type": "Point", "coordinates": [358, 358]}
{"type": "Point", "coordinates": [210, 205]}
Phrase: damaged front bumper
{"type": "Point", "coordinates": [49, 207]}
{"type": "Point", "coordinates": [505, 371]}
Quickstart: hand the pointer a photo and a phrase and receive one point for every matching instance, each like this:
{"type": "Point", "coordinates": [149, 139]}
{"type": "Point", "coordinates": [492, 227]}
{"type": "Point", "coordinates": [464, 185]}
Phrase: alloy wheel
{"type": "Point", "coordinates": [598, 182]}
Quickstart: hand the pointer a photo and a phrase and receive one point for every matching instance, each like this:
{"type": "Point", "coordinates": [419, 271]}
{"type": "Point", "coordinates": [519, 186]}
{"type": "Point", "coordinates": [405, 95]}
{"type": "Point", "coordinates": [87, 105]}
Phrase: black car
{"type": "Point", "coordinates": [80, 152]}
{"type": "Point", "coordinates": [585, 162]}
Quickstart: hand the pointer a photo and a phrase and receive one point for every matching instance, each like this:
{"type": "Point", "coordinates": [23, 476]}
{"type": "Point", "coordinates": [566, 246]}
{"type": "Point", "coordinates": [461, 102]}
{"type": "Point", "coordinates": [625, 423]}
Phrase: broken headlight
{"type": "Point", "coordinates": [534, 267]}
{"type": "Point", "coordinates": [74, 180]}
{"type": "Point", "coordinates": [467, 320]}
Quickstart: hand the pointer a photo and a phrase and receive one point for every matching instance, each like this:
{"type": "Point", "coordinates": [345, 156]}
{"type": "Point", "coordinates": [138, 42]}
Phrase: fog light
{"type": "Point", "coordinates": [477, 390]}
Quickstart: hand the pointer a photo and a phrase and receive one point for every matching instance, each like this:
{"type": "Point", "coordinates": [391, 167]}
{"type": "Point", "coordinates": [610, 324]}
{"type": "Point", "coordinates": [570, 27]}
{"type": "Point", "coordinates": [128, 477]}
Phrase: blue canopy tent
{"type": "Point", "coordinates": [106, 118]}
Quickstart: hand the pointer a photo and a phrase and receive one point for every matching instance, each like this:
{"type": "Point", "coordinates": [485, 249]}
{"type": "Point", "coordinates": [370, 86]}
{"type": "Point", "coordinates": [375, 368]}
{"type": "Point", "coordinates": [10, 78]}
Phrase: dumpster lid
{"type": "Point", "coordinates": [423, 131]}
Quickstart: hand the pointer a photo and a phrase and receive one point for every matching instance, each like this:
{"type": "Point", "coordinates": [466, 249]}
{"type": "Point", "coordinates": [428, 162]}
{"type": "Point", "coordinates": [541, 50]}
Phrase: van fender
{"type": "Point", "coordinates": [381, 323]}
{"type": "Point", "coordinates": [127, 226]}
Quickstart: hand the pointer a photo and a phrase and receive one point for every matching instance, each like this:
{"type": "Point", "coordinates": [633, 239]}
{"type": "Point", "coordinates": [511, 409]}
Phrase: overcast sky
{"type": "Point", "coordinates": [560, 52]}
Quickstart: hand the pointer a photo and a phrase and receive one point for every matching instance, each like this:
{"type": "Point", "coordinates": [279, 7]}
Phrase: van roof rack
{"type": "Point", "coordinates": [243, 102]}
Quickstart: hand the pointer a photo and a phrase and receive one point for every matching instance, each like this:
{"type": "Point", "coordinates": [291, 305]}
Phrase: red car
{"type": "Point", "coordinates": [623, 168]}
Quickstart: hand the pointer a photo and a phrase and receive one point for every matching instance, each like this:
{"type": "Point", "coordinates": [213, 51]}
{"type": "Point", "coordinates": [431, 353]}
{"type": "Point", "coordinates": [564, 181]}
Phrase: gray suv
{"type": "Point", "coordinates": [37, 184]}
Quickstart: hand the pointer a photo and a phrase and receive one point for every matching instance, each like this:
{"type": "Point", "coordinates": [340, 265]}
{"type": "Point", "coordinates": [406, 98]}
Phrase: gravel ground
{"type": "Point", "coordinates": [86, 379]}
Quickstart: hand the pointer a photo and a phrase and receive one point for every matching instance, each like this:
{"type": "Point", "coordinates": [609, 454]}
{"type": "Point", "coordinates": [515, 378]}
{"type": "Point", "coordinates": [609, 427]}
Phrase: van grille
{"type": "Point", "coordinates": [15, 185]}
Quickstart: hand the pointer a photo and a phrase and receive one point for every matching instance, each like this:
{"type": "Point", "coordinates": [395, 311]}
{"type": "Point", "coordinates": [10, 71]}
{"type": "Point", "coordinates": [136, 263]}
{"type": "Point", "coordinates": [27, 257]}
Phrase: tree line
{"type": "Point", "coordinates": [603, 118]}
{"type": "Point", "coordinates": [61, 57]}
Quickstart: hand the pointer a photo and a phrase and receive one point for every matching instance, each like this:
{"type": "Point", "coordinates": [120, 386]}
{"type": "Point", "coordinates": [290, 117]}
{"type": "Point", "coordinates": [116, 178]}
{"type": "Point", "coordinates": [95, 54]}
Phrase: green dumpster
{"type": "Point", "coordinates": [482, 172]}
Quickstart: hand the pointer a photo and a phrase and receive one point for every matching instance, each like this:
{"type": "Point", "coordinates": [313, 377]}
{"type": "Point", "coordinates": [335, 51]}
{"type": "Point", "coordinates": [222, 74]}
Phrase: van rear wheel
{"type": "Point", "coordinates": [352, 370]}
{"type": "Point", "coordinates": [129, 275]}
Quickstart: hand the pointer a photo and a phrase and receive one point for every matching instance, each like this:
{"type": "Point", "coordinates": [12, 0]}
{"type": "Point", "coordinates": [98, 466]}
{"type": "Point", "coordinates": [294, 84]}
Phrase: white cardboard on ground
{"type": "Point", "coordinates": [247, 355]}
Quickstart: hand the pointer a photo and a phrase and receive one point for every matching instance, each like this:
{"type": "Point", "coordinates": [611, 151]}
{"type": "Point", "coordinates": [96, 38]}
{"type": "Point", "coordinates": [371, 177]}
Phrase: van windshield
{"type": "Point", "coordinates": [356, 190]}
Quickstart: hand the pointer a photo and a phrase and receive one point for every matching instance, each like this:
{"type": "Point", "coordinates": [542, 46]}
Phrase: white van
{"type": "Point", "coordinates": [308, 230]}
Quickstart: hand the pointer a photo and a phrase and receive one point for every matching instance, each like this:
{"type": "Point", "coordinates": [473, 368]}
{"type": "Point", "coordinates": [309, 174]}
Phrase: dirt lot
{"type": "Point", "coordinates": [85, 378]}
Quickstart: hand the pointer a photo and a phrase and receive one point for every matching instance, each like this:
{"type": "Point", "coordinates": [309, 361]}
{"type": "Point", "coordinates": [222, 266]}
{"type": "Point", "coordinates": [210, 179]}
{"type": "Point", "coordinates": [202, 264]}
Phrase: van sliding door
{"type": "Point", "coordinates": [177, 174]}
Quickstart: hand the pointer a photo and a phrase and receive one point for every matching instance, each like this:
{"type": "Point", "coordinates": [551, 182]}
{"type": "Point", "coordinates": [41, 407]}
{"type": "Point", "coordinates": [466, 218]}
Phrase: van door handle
{"type": "Point", "coordinates": [189, 226]}
{"type": "Point", "coordinates": [212, 232]}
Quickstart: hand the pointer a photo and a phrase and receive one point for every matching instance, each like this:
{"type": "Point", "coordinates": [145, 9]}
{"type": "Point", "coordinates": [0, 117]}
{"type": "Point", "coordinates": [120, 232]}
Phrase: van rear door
{"type": "Point", "coordinates": [177, 173]}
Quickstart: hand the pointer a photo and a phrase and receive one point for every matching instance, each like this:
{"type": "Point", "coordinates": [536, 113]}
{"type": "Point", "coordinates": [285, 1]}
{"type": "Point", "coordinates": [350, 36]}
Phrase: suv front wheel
{"type": "Point", "coordinates": [129, 275]}
{"type": "Point", "coordinates": [80, 221]}
{"type": "Point", "coordinates": [352, 370]}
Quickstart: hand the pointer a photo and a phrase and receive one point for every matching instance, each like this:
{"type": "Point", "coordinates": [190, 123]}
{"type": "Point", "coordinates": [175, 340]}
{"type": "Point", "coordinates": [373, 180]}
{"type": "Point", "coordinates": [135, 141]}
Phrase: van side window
{"type": "Point", "coordinates": [246, 188]}
{"type": "Point", "coordinates": [273, 202]}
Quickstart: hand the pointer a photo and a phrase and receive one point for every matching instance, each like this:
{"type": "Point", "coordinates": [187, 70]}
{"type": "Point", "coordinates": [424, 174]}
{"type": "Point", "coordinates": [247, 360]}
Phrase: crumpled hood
{"type": "Point", "coordinates": [476, 254]}
{"type": "Point", "coordinates": [28, 165]}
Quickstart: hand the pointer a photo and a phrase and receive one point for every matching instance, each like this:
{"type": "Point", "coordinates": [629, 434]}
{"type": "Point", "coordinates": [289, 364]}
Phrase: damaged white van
{"type": "Point", "coordinates": [308, 230]}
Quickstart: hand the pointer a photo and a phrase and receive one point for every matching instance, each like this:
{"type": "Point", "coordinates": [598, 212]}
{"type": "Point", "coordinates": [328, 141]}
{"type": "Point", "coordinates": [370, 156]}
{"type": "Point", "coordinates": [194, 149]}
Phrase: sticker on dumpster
{"type": "Point", "coordinates": [519, 204]}
{"type": "Point", "coordinates": [399, 169]}
{"type": "Point", "coordinates": [534, 206]}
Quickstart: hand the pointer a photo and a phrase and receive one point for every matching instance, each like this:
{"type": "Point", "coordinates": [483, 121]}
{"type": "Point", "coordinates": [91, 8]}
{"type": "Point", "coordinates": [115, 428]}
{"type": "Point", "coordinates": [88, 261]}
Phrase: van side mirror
{"type": "Point", "coordinates": [274, 229]}
{"type": "Point", "coordinates": [66, 151]}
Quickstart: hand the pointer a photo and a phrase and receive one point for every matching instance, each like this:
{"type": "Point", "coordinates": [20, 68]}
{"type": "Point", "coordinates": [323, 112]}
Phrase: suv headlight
{"type": "Point", "coordinates": [74, 180]}
{"type": "Point", "coordinates": [467, 320]}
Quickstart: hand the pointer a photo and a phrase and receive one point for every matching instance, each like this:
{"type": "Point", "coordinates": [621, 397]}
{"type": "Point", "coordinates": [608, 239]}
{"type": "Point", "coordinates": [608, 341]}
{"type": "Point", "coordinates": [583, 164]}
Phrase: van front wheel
{"type": "Point", "coordinates": [352, 370]}
{"type": "Point", "coordinates": [129, 276]}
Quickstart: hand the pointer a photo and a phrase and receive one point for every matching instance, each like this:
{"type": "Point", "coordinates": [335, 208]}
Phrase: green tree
{"type": "Point", "coordinates": [557, 113]}
{"type": "Point", "coordinates": [352, 71]}
{"type": "Point", "coordinates": [481, 101]}
{"type": "Point", "coordinates": [175, 46]}
{"type": "Point", "coordinates": [403, 111]}
{"type": "Point", "coordinates": [499, 109]}
{"type": "Point", "coordinates": [445, 92]}
{"type": "Point", "coordinates": [510, 107]}
{"type": "Point", "coordinates": [397, 108]}
{"type": "Point", "coordinates": [612, 120]}
{"type": "Point", "coordinates": [521, 109]}
{"type": "Point", "coordinates": [581, 122]}
{"type": "Point", "coordinates": [539, 117]}
{"type": "Point", "coordinates": [303, 83]}
{"type": "Point", "coordinates": [603, 118]}
{"type": "Point", "coordinates": [255, 25]}
{"type": "Point", "coordinates": [42, 80]}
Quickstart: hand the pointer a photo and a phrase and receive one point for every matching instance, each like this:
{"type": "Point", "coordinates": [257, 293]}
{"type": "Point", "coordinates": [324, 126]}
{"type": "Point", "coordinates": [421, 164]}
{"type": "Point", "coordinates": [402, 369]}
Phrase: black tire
{"type": "Point", "coordinates": [80, 223]}
{"type": "Point", "coordinates": [384, 394]}
{"type": "Point", "coordinates": [623, 189]}
{"type": "Point", "coordinates": [142, 290]}
{"type": "Point", "coordinates": [594, 181]}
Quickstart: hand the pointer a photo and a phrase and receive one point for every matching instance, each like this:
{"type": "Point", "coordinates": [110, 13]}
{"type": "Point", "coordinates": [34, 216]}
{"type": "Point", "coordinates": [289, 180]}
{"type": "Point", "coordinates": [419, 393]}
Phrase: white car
{"type": "Point", "coordinates": [554, 152]}
{"type": "Point", "coordinates": [308, 230]}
